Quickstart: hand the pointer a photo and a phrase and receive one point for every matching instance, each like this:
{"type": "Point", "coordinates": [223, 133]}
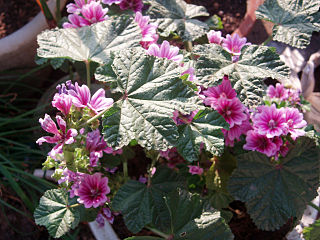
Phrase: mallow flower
{"type": "Point", "coordinates": [260, 143]}
{"type": "Point", "coordinates": [294, 122]}
{"type": "Point", "coordinates": [93, 190]}
{"type": "Point", "coordinates": [110, 2]}
{"type": "Point", "coordinates": [135, 5]}
{"type": "Point", "coordinates": [279, 92]}
{"type": "Point", "coordinates": [270, 121]}
{"type": "Point", "coordinates": [165, 51]}
{"type": "Point", "coordinates": [234, 44]}
{"type": "Point", "coordinates": [82, 98]}
{"type": "Point", "coordinates": [215, 37]}
{"type": "Point", "coordinates": [195, 170]}
{"type": "Point", "coordinates": [77, 6]}
{"type": "Point", "coordinates": [62, 102]}
{"type": "Point", "coordinates": [60, 137]}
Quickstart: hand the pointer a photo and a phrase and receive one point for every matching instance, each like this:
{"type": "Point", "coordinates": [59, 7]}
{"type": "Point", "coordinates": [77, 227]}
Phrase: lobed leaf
{"type": "Point", "coordinates": [246, 75]}
{"type": "Point", "coordinates": [141, 205]}
{"type": "Point", "coordinates": [151, 90]}
{"type": "Point", "coordinates": [206, 130]}
{"type": "Point", "coordinates": [294, 20]}
{"type": "Point", "coordinates": [177, 16]}
{"type": "Point", "coordinates": [94, 43]}
{"type": "Point", "coordinates": [55, 214]}
{"type": "Point", "coordinates": [274, 193]}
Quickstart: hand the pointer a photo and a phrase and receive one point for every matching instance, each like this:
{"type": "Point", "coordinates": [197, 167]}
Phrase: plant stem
{"type": "Point", "coordinates": [314, 206]}
{"type": "Point", "coordinates": [188, 45]}
{"type": "Point", "coordinates": [74, 205]}
{"type": "Point", "coordinates": [156, 231]}
{"type": "Point", "coordinates": [58, 12]}
{"type": "Point", "coordinates": [125, 168]}
{"type": "Point", "coordinates": [154, 160]}
{"type": "Point", "coordinates": [96, 116]}
{"type": "Point", "coordinates": [87, 62]}
{"type": "Point", "coordinates": [269, 39]}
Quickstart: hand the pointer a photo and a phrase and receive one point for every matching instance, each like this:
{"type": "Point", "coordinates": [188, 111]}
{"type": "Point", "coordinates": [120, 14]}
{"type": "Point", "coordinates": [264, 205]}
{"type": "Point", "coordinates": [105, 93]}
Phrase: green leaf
{"type": "Point", "coordinates": [55, 214]}
{"type": "Point", "coordinates": [207, 130]}
{"type": "Point", "coordinates": [190, 221]}
{"type": "Point", "coordinates": [151, 90]}
{"type": "Point", "coordinates": [255, 64]}
{"type": "Point", "coordinates": [95, 42]}
{"type": "Point", "coordinates": [134, 201]}
{"type": "Point", "coordinates": [294, 20]}
{"type": "Point", "coordinates": [141, 205]}
{"type": "Point", "coordinates": [312, 232]}
{"type": "Point", "coordinates": [274, 193]}
{"type": "Point", "coordinates": [177, 16]}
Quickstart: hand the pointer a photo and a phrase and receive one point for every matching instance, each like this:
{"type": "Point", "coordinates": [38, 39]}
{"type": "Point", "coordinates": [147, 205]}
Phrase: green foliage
{"type": "Point", "coordinates": [94, 43]}
{"type": "Point", "coordinates": [151, 90]}
{"type": "Point", "coordinates": [190, 219]}
{"type": "Point", "coordinates": [56, 213]}
{"type": "Point", "coordinates": [217, 179]}
{"type": "Point", "coordinates": [205, 129]}
{"type": "Point", "coordinates": [255, 64]}
{"type": "Point", "coordinates": [177, 16]}
{"type": "Point", "coordinates": [294, 20]}
{"type": "Point", "coordinates": [141, 205]}
{"type": "Point", "coordinates": [312, 232]}
{"type": "Point", "coordinates": [274, 193]}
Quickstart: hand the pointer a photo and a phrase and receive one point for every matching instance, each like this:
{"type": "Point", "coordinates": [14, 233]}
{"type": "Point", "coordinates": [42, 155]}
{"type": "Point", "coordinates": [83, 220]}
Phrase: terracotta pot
{"type": "Point", "coordinates": [307, 87]}
{"type": "Point", "coordinates": [18, 49]}
{"type": "Point", "coordinates": [249, 19]}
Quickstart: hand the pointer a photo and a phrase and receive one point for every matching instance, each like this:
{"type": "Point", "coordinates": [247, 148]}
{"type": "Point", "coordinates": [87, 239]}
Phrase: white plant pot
{"type": "Point", "coordinates": [19, 48]}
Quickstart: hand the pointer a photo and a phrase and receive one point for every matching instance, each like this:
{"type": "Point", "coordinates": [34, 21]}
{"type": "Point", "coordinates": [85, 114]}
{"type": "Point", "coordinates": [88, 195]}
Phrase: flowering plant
{"type": "Point", "coordinates": [209, 134]}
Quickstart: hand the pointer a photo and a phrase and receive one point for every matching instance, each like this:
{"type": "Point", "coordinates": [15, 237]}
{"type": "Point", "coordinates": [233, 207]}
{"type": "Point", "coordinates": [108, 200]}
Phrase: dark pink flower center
{"type": "Point", "coordinates": [272, 124]}
{"type": "Point", "coordinates": [95, 193]}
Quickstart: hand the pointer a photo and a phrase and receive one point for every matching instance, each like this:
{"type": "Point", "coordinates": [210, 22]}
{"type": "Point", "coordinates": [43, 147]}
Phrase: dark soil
{"type": "Point", "coordinates": [231, 12]}
{"type": "Point", "coordinates": [243, 227]}
{"type": "Point", "coordinates": [14, 14]}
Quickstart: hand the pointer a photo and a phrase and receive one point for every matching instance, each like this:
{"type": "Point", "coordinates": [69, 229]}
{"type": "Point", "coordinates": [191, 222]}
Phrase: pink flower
{"type": "Point", "coordinates": [76, 21]}
{"type": "Point", "coordinates": [110, 2]}
{"type": "Point", "coordinates": [62, 102]}
{"type": "Point", "coordinates": [109, 150]}
{"type": "Point", "coordinates": [135, 5]}
{"type": "Point", "coordinates": [231, 110]}
{"type": "Point", "coordinates": [76, 7]}
{"type": "Point", "coordinates": [214, 37]}
{"type": "Point", "coordinates": [60, 137]}
{"type": "Point", "coordinates": [93, 12]}
{"type": "Point", "coordinates": [172, 156]}
{"type": "Point", "coordinates": [82, 98]}
{"type": "Point", "coordinates": [224, 90]}
{"type": "Point", "coordinates": [95, 145]}
{"type": "Point", "coordinates": [260, 143]}
{"type": "Point", "coordinates": [93, 190]}
{"type": "Point", "coordinates": [165, 51]}
{"type": "Point", "coordinates": [277, 92]}
{"type": "Point", "coordinates": [270, 121]}
{"type": "Point", "coordinates": [233, 44]}
{"type": "Point", "coordinates": [190, 71]}
{"type": "Point", "coordinates": [294, 122]}
{"type": "Point", "coordinates": [235, 132]}
{"type": "Point", "coordinates": [180, 119]}
{"type": "Point", "coordinates": [148, 31]}
{"type": "Point", "coordinates": [195, 170]}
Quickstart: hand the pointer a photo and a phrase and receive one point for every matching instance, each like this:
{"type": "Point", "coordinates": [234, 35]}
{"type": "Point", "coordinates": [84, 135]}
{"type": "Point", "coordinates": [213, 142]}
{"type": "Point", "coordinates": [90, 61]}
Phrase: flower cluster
{"type": "Point", "coordinates": [77, 150]}
{"type": "Point", "coordinates": [232, 44]}
{"type": "Point", "coordinates": [279, 93]}
{"type": "Point", "coordinates": [271, 128]}
{"type": "Point", "coordinates": [223, 98]}
{"type": "Point", "coordinates": [84, 13]}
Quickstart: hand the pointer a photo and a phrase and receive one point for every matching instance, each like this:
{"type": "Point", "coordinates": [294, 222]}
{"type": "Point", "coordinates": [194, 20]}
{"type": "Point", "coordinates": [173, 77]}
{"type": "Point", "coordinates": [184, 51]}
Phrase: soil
{"type": "Point", "coordinates": [15, 14]}
{"type": "Point", "coordinates": [231, 12]}
{"type": "Point", "coordinates": [243, 227]}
